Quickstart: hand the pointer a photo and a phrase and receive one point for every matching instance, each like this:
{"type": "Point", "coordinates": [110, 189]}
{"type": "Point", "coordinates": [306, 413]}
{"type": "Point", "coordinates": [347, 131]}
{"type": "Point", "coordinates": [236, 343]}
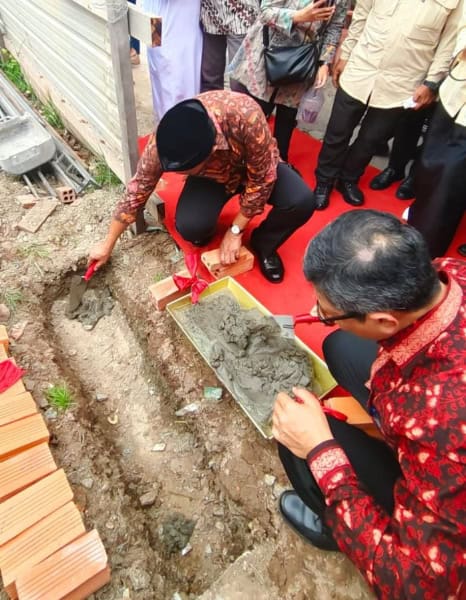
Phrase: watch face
{"type": "Point", "coordinates": [235, 229]}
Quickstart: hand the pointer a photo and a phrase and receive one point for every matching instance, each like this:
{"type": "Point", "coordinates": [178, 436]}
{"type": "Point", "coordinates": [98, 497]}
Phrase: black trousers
{"type": "Point", "coordinates": [336, 160]}
{"type": "Point", "coordinates": [214, 52]}
{"type": "Point", "coordinates": [285, 122]}
{"type": "Point", "coordinates": [406, 147]}
{"type": "Point", "coordinates": [202, 200]}
{"type": "Point", "coordinates": [349, 359]}
{"type": "Point", "coordinates": [440, 183]}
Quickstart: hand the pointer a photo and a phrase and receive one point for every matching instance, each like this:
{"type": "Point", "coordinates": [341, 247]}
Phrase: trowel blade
{"type": "Point", "coordinates": [286, 323]}
{"type": "Point", "coordinates": [77, 288]}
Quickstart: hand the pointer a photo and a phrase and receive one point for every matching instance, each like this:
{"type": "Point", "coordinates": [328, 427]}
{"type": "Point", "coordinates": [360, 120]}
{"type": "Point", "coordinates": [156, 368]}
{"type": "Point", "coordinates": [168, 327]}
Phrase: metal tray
{"type": "Point", "coordinates": [175, 308]}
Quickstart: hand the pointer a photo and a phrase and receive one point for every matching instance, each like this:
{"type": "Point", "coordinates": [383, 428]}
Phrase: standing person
{"type": "Point", "coordinates": [175, 66]}
{"type": "Point", "coordinates": [290, 23]}
{"type": "Point", "coordinates": [440, 183]}
{"type": "Point", "coordinates": [397, 507]}
{"type": "Point", "coordinates": [224, 25]}
{"type": "Point", "coordinates": [411, 127]}
{"type": "Point", "coordinates": [222, 141]}
{"type": "Point", "coordinates": [395, 50]}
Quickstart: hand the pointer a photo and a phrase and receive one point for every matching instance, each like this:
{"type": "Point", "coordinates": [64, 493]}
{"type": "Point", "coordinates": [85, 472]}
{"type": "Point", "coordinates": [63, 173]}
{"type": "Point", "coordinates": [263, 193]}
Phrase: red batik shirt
{"type": "Point", "coordinates": [244, 154]}
{"type": "Point", "coordinates": [418, 388]}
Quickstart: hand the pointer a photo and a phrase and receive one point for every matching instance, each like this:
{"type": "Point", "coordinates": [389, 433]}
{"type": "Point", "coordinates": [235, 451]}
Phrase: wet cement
{"type": "Point", "coordinates": [248, 353]}
{"type": "Point", "coordinates": [176, 532]}
{"type": "Point", "coordinates": [95, 304]}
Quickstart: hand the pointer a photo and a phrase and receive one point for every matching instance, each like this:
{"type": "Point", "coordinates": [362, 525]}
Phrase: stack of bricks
{"type": "Point", "coordinates": [45, 552]}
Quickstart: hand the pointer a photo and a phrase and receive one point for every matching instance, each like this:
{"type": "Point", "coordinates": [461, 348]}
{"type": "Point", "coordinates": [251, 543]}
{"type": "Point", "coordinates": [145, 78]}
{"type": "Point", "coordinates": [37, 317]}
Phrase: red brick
{"type": "Point", "coordinates": [73, 573]}
{"type": "Point", "coordinates": [66, 194]}
{"type": "Point", "coordinates": [211, 260]}
{"type": "Point", "coordinates": [25, 468]}
{"type": "Point", "coordinates": [33, 504]}
{"type": "Point", "coordinates": [165, 291]}
{"type": "Point", "coordinates": [37, 543]}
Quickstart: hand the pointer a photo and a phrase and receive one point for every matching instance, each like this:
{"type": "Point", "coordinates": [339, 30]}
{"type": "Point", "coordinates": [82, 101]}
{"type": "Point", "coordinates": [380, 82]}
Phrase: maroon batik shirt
{"type": "Point", "coordinates": [244, 154]}
{"type": "Point", "coordinates": [418, 389]}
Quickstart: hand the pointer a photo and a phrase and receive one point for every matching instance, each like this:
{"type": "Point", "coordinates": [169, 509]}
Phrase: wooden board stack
{"type": "Point", "coordinates": [45, 552]}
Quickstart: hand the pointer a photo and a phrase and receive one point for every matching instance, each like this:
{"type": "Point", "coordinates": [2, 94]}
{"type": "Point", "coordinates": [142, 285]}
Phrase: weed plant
{"type": "Point", "coordinates": [60, 396]}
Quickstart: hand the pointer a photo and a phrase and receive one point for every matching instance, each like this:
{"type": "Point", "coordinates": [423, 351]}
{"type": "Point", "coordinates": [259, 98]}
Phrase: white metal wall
{"type": "Point", "coordinates": [66, 50]}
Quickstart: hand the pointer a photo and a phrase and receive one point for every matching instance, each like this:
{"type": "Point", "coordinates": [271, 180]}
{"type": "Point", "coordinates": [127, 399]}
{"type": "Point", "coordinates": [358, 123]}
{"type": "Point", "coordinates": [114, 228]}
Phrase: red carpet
{"type": "Point", "coordinates": [295, 295]}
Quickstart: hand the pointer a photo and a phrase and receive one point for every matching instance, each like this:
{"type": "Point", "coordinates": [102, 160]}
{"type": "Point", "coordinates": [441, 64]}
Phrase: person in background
{"type": "Point", "coordinates": [290, 22]}
{"type": "Point", "coordinates": [135, 47]}
{"type": "Point", "coordinates": [222, 142]}
{"type": "Point", "coordinates": [394, 52]}
{"type": "Point", "coordinates": [440, 183]}
{"type": "Point", "coordinates": [224, 25]}
{"type": "Point", "coordinates": [411, 128]}
{"type": "Point", "coordinates": [395, 506]}
{"type": "Point", "coordinates": [175, 66]}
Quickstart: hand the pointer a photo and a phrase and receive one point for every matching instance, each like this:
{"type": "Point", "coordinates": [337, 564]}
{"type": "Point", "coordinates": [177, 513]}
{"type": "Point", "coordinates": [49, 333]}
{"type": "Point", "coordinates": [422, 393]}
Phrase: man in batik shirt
{"type": "Point", "coordinates": [222, 141]}
{"type": "Point", "coordinates": [396, 507]}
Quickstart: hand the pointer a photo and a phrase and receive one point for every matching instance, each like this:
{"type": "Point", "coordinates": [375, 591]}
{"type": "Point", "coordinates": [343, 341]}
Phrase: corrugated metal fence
{"type": "Point", "coordinates": [71, 52]}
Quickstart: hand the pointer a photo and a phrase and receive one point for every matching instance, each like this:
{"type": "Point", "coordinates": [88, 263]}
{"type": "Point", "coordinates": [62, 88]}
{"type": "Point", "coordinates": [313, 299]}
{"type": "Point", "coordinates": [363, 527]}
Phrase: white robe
{"type": "Point", "coordinates": [175, 66]}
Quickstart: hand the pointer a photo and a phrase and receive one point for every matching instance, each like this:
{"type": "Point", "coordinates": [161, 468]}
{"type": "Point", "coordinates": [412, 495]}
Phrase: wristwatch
{"type": "Point", "coordinates": [432, 85]}
{"type": "Point", "coordinates": [235, 229]}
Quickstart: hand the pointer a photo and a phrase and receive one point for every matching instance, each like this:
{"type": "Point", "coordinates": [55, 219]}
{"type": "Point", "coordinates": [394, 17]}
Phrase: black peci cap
{"type": "Point", "coordinates": [185, 136]}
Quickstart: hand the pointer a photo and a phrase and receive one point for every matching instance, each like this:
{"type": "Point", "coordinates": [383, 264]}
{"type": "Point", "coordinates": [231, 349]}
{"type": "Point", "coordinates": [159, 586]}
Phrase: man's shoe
{"type": "Point", "coordinates": [351, 193]}
{"type": "Point", "coordinates": [322, 194]}
{"type": "Point", "coordinates": [405, 190]}
{"type": "Point", "coordinates": [305, 522]}
{"type": "Point", "coordinates": [271, 266]}
{"type": "Point", "coordinates": [385, 179]}
{"type": "Point", "coordinates": [462, 250]}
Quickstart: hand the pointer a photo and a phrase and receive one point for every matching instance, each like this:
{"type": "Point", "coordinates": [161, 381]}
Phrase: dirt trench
{"type": "Point", "coordinates": [210, 481]}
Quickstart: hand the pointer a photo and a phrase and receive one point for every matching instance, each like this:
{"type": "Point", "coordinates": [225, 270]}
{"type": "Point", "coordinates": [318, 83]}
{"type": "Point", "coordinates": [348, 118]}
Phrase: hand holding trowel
{"type": "Point", "coordinates": [79, 286]}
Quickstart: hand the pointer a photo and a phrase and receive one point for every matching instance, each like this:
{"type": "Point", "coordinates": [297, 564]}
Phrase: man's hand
{"type": "Point", "coordinates": [299, 427]}
{"type": "Point", "coordinates": [100, 252]}
{"type": "Point", "coordinates": [229, 248]}
{"type": "Point", "coordinates": [423, 96]}
{"type": "Point", "coordinates": [314, 11]}
{"type": "Point", "coordinates": [321, 77]}
{"type": "Point", "coordinates": [337, 70]}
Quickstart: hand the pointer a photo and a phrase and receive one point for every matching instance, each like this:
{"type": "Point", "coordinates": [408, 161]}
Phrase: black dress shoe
{"type": "Point", "coordinates": [305, 522]}
{"type": "Point", "coordinates": [462, 250]}
{"type": "Point", "coordinates": [351, 193]}
{"type": "Point", "coordinates": [271, 266]}
{"type": "Point", "coordinates": [385, 179]}
{"type": "Point", "coordinates": [322, 194]}
{"type": "Point", "coordinates": [405, 190]}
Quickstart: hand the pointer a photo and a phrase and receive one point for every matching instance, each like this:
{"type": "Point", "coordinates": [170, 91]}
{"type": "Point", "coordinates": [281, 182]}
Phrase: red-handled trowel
{"type": "Point", "coordinates": [78, 287]}
{"type": "Point", "coordinates": [288, 322]}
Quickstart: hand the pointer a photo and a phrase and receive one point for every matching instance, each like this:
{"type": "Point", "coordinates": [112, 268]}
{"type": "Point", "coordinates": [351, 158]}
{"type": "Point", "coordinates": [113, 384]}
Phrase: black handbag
{"type": "Point", "coordinates": [285, 65]}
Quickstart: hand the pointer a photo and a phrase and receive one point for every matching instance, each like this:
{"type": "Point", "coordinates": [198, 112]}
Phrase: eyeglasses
{"type": "Point", "coordinates": [330, 321]}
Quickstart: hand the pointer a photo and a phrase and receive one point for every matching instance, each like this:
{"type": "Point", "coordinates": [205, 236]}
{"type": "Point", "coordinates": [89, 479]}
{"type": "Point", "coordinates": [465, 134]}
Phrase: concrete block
{"type": "Point", "coordinates": [37, 543]}
{"type": "Point", "coordinates": [36, 216]}
{"type": "Point", "coordinates": [211, 260]}
{"type": "Point", "coordinates": [32, 504]}
{"type": "Point", "coordinates": [21, 435]}
{"type": "Point", "coordinates": [165, 291]}
{"type": "Point", "coordinates": [24, 469]}
{"type": "Point", "coordinates": [66, 194]}
{"type": "Point", "coordinates": [13, 408]}
{"type": "Point", "coordinates": [73, 573]}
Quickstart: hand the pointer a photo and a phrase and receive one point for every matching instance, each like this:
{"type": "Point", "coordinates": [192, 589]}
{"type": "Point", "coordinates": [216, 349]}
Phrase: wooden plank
{"type": "Point", "coordinates": [33, 504]}
{"type": "Point", "coordinates": [4, 337]}
{"type": "Point", "coordinates": [13, 408]}
{"type": "Point", "coordinates": [144, 26]}
{"type": "Point", "coordinates": [74, 572]}
{"type": "Point", "coordinates": [14, 390]}
{"type": "Point", "coordinates": [25, 468]}
{"type": "Point", "coordinates": [20, 435]}
{"type": "Point", "coordinates": [3, 353]}
{"type": "Point", "coordinates": [39, 542]}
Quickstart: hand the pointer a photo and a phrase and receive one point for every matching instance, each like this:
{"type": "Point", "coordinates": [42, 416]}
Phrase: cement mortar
{"type": "Point", "coordinates": [248, 353]}
{"type": "Point", "coordinates": [95, 304]}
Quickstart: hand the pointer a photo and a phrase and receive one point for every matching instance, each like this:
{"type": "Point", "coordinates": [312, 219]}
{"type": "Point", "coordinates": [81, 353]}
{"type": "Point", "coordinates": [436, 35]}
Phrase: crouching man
{"type": "Point", "coordinates": [396, 507]}
{"type": "Point", "coordinates": [222, 142]}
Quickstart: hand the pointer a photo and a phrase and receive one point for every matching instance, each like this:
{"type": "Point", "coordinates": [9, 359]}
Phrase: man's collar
{"type": "Point", "coordinates": [408, 342]}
